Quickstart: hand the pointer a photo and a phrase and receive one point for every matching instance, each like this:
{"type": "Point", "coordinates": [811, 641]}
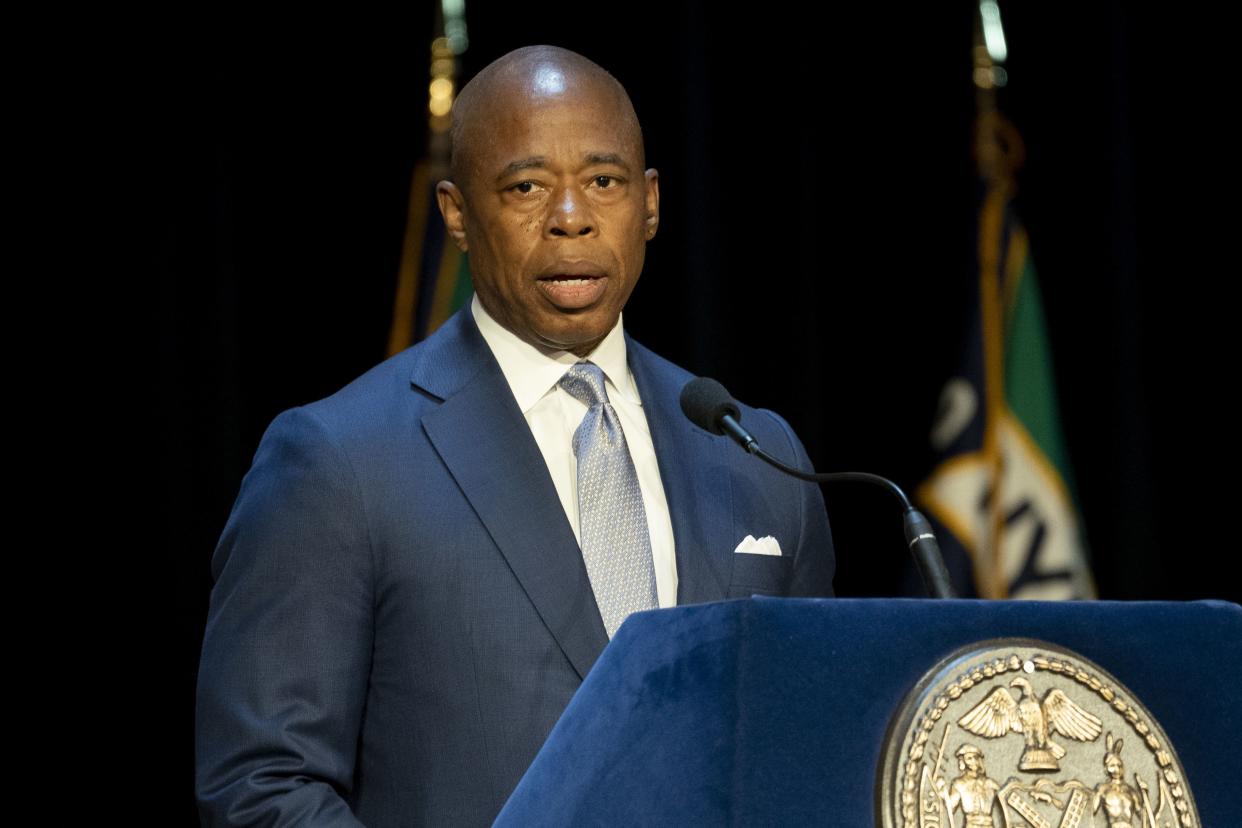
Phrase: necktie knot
{"type": "Point", "coordinates": [585, 383]}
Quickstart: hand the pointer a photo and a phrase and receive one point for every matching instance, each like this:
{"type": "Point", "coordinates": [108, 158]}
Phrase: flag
{"type": "Point", "coordinates": [1001, 490]}
{"type": "Point", "coordinates": [433, 279]}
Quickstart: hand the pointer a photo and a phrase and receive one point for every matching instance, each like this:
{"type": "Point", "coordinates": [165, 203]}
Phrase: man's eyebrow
{"type": "Point", "coordinates": [539, 162]}
{"type": "Point", "coordinates": [535, 162]}
{"type": "Point", "coordinates": [596, 158]}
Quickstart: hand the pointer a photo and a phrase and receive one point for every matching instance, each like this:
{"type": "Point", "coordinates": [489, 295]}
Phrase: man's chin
{"type": "Point", "coordinates": [579, 340]}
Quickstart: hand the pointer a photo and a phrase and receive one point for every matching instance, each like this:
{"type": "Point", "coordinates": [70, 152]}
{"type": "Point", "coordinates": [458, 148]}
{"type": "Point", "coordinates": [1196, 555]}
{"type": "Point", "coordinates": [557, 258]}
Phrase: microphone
{"type": "Point", "coordinates": [708, 405]}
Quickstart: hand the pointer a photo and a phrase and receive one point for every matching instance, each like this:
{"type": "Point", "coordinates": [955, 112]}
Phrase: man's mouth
{"type": "Point", "coordinates": [574, 288]}
{"type": "Point", "coordinates": [570, 280]}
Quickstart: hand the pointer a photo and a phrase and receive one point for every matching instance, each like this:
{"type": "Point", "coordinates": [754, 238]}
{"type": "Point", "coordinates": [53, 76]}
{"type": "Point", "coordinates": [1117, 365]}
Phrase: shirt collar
{"type": "Point", "coordinates": [531, 371]}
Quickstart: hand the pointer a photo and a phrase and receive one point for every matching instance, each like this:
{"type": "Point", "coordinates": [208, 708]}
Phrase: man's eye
{"type": "Point", "coordinates": [523, 187]}
{"type": "Point", "coordinates": [605, 181]}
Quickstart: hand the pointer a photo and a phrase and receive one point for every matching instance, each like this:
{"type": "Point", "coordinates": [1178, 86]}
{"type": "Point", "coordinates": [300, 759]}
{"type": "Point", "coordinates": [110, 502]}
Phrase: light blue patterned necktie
{"type": "Point", "coordinates": [612, 522]}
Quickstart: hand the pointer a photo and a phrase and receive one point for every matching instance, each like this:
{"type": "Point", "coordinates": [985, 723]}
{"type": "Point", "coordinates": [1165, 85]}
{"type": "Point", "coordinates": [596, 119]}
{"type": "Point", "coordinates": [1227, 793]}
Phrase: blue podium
{"type": "Point", "coordinates": [775, 711]}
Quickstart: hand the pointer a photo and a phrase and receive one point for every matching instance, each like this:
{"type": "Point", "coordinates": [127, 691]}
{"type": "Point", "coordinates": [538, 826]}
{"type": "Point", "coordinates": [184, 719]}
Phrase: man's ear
{"type": "Point", "coordinates": [453, 208]}
{"type": "Point", "coordinates": [652, 202]}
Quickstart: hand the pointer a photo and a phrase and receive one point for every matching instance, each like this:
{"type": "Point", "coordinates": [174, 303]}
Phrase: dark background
{"type": "Point", "coordinates": [815, 251]}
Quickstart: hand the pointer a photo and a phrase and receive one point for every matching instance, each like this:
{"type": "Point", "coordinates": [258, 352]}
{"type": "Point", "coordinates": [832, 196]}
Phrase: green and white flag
{"type": "Point", "coordinates": [1002, 489]}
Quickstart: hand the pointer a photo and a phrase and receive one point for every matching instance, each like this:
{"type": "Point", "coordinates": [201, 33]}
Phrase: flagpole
{"type": "Point", "coordinates": [998, 154]}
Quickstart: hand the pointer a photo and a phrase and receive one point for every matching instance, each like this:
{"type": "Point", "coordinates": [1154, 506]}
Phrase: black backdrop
{"type": "Point", "coordinates": [815, 250]}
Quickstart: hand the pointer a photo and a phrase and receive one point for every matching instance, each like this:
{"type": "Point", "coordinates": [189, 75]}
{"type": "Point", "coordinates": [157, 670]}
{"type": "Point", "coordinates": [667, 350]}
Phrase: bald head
{"type": "Point", "coordinates": [525, 79]}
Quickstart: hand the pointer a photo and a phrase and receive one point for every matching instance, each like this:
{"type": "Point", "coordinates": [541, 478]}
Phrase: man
{"type": "Point", "coordinates": [403, 607]}
{"type": "Point", "coordinates": [973, 791]}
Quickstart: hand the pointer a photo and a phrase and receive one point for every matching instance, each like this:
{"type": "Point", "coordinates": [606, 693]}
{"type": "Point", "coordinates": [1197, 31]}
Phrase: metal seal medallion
{"type": "Point", "coordinates": [1016, 733]}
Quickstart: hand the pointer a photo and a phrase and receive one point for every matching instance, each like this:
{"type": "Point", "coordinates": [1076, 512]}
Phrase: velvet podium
{"type": "Point", "coordinates": [775, 711]}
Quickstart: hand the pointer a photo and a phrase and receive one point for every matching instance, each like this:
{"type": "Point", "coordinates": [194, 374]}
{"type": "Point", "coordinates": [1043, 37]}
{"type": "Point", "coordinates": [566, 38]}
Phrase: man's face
{"type": "Point", "coordinates": [971, 761]}
{"type": "Point", "coordinates": [555, 212]}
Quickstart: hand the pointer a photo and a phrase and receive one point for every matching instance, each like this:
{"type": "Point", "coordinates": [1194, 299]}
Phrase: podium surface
{"type": "Point", "coordinates": [775, 711]}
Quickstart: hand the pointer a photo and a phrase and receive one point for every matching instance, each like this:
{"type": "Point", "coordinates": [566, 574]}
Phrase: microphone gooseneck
{"type": "Point", "coordinates": [708, 405]}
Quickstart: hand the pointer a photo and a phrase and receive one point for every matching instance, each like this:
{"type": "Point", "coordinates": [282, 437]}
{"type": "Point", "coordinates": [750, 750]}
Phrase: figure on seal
{"type": "Point", "coordinates": [973, 791]}
{"type": "Point", "coordinates": [1120, 800]}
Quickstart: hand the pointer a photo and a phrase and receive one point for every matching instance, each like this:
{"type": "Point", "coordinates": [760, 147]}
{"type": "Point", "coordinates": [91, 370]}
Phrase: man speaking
{"type": "Point", "coordinates": [420, 570]}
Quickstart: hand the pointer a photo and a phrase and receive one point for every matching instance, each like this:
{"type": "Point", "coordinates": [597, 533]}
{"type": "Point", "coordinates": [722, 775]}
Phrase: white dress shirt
{"type": "Point", "coordinates": [553, 415]}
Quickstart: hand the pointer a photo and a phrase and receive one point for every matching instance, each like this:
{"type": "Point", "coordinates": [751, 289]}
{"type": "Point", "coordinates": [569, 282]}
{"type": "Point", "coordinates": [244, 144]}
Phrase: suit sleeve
{"type": "Point", "coordinates": [287, 649]}
{"type": "Point", "coordinates": [814, 560]}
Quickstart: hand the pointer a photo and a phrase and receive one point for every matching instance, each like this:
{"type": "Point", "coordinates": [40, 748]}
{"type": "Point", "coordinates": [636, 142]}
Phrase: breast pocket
{"type": "Point", "coordinates": [759, 575]}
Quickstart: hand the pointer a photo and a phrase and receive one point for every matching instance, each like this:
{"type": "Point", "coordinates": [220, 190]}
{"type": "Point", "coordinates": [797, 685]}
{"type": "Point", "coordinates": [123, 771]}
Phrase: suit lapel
{"type": "Point", "coordinates": [696, 481]}
{"type": "Point", "coordinates": [484, 440]}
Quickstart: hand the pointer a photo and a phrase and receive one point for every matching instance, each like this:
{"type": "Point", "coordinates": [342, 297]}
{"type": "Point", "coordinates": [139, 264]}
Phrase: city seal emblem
{"type": "Point", "coordinates": [1011, 733]}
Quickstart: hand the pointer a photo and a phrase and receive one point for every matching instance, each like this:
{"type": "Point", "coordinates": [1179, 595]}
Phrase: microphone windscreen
{"type": "Point", "coordinates": [705, 402]}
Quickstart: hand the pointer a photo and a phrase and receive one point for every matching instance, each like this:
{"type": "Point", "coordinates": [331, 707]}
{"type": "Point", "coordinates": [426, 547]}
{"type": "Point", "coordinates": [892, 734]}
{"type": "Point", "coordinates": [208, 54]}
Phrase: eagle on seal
{"type": "Point", "coordinates": [1000, 714]}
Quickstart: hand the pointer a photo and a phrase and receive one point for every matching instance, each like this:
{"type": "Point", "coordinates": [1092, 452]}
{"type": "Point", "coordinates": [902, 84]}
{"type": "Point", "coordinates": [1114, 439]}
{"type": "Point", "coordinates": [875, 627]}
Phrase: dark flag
{"type": "Point", "coordinates": [1002, 489]}
{"type": "Point", "coordinates": [433, 280]}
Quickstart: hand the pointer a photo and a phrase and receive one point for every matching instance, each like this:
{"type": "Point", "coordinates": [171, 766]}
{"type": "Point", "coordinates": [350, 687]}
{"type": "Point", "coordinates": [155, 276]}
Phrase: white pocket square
{"type": "Point", "coordinates": [766, 545]}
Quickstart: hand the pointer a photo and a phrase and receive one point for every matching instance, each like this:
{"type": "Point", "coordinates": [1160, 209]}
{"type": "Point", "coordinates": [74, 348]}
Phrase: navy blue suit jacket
{"type": "Point", "coordinates": [401, 611]}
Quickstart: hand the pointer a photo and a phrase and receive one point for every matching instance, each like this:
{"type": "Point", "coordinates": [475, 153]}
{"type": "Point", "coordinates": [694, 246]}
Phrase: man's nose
{"type": "Point", "coordinates": [570, 215]}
